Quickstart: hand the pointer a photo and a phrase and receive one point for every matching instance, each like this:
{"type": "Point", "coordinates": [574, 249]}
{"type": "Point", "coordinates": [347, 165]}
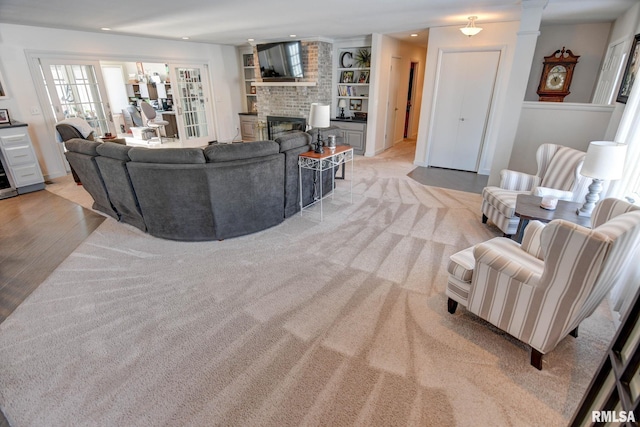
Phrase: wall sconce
{"type": "Point", "coordinates": [471, 29]}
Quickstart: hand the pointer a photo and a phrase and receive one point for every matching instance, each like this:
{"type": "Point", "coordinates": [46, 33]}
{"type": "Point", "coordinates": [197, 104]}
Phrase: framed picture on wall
{"type": "Point", "coordinates": [4, 117]}
{"type": "Point", "coordinates": [347, 77]}
{"type": "Point", "coordinates": [355, 104]}
{"type": "Point", "coordinates": [3, 88]}
{"type": "Point", "coordinates": [630, 71]}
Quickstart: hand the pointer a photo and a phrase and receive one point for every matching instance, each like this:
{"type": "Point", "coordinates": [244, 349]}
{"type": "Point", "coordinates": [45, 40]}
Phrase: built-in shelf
{"type": "Point", "coordinates": [283, 83]}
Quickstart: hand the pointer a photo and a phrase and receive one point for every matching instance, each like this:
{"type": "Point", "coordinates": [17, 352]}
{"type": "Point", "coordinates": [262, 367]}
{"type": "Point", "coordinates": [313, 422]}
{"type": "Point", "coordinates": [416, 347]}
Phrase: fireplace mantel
{"type": "Point", "coordinates": [283, 83]}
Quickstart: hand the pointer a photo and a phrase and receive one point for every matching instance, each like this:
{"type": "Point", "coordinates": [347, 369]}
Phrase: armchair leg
{"type": "Point", "coordinates": [451, 306]}
{"type": "Point", "coordinates": [484, 219]}
{"type": "Point", "coordinates": [536, 359]}
{"type": "Point", "coordinates": [574, 333]}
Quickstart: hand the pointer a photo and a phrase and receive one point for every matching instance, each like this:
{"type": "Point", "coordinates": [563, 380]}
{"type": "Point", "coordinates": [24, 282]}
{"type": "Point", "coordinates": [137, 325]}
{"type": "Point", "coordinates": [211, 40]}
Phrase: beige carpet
{"type": "Point", "coordinates": [337, 323]}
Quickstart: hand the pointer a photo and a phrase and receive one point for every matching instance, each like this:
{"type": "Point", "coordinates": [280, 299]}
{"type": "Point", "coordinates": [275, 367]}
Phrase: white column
{"type": "Point", "coordinates": [523, 58]}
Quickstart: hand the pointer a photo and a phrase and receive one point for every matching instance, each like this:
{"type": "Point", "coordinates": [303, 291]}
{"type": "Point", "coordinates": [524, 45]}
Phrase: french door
{"type": "Point", "coordinates": [191, 103]}
{"type": "Point", "coordinates": [76, 89]}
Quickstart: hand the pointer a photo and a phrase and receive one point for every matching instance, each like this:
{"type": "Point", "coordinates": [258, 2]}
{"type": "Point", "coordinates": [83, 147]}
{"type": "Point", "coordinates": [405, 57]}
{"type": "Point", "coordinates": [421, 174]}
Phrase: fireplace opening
{"type": "Point", "coordinates": [277, 126]}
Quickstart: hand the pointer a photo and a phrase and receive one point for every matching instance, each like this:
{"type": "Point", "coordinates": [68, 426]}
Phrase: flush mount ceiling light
{"type": "Point", "coordinates": [471, 29]}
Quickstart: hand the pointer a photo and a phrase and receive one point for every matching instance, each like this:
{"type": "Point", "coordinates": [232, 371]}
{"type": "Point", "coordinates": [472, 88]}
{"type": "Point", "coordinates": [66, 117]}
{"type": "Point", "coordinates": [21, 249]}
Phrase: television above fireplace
{"type": "Point", "coordinates": [280, 61]}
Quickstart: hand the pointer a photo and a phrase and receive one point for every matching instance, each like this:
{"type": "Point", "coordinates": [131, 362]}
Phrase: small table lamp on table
{"type": "Point", "coordinates": [319, 117]}
{"type": "Point", "coordinates": [342, 104]}
{"type": "Point", "coordinates": [604, 161]}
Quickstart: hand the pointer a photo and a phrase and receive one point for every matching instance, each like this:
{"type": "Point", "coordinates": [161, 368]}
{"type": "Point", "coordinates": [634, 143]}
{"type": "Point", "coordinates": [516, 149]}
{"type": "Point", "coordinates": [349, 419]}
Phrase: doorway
{"type": "Point", "coordinates": [76, 89]}
{"type": "Point", "coordinates": [410, 97]}
{"type": "Point", "coordinates": [392, 103]}
{"type": "Point", "coordinates": [464, 92]}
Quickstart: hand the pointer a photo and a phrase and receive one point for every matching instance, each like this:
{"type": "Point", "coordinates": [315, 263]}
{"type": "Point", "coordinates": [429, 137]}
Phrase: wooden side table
{"type": "Point", "coordinates": [528, 209]}
{"type": "Point", "coordinates": [320, 162]}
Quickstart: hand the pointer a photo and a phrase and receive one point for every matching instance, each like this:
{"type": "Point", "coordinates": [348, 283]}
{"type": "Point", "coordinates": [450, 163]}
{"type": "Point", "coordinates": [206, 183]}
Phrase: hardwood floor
{"type": "Point", "coordinates": [470, 182]}
{"type": "Point", "coordinates": [37, 232]}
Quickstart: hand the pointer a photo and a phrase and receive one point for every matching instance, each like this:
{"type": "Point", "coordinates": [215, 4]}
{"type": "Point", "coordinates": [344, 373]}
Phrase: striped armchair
{"type": "Point", "coordinates": [539, 291]}
{"type": "Point", "coordinates": [558, 175]}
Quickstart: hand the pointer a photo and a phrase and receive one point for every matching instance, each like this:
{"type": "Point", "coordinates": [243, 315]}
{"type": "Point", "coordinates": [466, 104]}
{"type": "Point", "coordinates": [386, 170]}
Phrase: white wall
{"type": "Point", "coordinates": [384, 48]}
{"type": "Point", "coordinates": [569, 124]}
{"type": "Point", "coordinates": [408, 53]}
{"type": "Point", "coordinates": [500, 36]}
{"type": "Point", "coordinates": [19, 41]}
{"type": "Point", "coordinates": [589, 41]}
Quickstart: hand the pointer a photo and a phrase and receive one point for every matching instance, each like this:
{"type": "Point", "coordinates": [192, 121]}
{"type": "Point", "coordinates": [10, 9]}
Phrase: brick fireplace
{"type": "Point", "coordinates": [295, 101]}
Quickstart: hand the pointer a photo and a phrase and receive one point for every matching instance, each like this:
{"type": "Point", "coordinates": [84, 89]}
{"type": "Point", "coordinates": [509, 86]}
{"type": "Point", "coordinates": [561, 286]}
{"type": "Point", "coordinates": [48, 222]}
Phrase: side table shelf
{"type": "Point", "coordinates": [320, 162]}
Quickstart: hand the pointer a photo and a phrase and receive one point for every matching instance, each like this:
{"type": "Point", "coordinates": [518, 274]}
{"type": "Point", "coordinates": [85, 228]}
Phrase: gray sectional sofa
{"type": "Point", "coordinates": [193, 194]}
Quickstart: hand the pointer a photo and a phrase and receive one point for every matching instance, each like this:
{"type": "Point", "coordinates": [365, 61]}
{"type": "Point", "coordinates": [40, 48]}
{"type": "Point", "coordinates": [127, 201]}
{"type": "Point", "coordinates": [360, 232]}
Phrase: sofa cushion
{"type": "Point", "coordinates": [292, 140]}
{"type": "Point", "coordinates": [248, 150]}
{"type": "Point", "coordinates": [83, 146]}
{"type": "Point", "coordinates": [167, 155]}
{"type": "Point", "coordinates": [114, 150]}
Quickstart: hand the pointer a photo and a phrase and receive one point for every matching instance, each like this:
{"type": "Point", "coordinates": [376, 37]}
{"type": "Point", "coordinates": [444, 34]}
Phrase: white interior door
{"type": "Point", "coordinates": [392, 104]}
{"type": "Point", "coordinates": [76, 89]}
{"type": "Point", "coordinates": [610, 73]}
{"type": "Point", "coordinates": [463, 100]}
{"type": "Point", "coordinates": [191, 102]}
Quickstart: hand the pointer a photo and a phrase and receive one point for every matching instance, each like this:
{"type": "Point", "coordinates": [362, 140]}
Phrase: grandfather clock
{"type": "Point", "coordinates": [556, 75]}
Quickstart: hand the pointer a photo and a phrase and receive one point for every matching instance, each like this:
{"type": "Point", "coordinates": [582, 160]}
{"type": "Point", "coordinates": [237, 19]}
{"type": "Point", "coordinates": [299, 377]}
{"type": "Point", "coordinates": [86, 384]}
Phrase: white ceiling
{"type": "Point", "coordinates": [234, 21]}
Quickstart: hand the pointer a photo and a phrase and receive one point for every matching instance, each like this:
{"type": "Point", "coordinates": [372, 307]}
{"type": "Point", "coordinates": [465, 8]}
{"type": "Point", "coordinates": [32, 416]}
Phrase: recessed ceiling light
{"type": "Point", "coordinates": [250, 40]}
{"type": "Point", "coordinates": [105, 29]}
{"type": "Point", "coordinates": [292, 35]}
{"type": "Point", "coordinates": [414, 35]}
{"type": "Point", "coordinates": [185, 38]}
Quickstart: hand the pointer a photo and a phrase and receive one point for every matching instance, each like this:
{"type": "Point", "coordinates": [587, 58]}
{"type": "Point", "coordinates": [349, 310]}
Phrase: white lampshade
{"type": "Point", "coordinates": [604, 160]}
{"type": "Point", "coordinates": [471, 29]}
{"type": "Point", "coordinates": [342, 103]}
{"type": "Point", "coordinates": [320, 115]}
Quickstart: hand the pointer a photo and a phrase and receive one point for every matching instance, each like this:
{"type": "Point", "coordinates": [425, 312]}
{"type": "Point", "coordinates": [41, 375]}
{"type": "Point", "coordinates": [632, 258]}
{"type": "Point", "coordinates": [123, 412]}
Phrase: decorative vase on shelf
{"type": "Point", "coordinates": [363, 58]}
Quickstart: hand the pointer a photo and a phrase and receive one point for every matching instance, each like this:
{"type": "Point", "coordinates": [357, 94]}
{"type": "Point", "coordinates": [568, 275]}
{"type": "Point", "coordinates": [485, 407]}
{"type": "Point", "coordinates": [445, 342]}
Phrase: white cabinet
{"type": "Point", "coordinates": [354, 133]}
{"type": "Point", "coordinates": [20, 157]}
{"type": "Point", "coordinates": [248, 124]}
{"type": "Point", "coordinates": [353, 73]}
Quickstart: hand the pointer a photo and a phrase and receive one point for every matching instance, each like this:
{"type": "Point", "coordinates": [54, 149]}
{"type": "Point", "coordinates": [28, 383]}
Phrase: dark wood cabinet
{"type": "Point", "coordinates": [142, 91]}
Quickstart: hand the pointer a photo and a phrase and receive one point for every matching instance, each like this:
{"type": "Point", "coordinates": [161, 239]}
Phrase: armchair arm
{"type": "Point", "coordinates": [505, 281]}
{"type": "Point", "coordinates": [518, 181]}
{"type": "Point", "coordinates": [531, 239]}
{"type": "Point", "coordinates": [507, 258]}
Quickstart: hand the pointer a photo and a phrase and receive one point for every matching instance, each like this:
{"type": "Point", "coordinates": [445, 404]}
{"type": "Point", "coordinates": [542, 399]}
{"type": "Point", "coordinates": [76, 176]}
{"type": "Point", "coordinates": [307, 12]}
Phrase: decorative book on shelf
{"type": "Point", "coordinates": [347, 91]}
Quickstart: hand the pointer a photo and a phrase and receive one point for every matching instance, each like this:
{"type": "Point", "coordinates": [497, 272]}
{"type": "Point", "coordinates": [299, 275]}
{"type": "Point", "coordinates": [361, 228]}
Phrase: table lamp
{"type": "Point", "coordinates": [342, 104]}
{"type": "Point", "coordinates": [604, 161]}
{"type": "Point", "coordinates": [319, 117]}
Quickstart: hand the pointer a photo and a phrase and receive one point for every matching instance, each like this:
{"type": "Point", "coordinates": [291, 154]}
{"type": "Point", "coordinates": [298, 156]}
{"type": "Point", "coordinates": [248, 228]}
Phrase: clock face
{"type": "Point", "coordinates": [556, 78]}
